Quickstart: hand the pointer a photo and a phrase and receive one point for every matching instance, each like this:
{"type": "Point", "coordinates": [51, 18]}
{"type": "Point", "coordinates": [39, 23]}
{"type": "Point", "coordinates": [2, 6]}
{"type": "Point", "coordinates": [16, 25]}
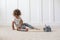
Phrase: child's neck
{"type": "Point", "coordinates": [17, 17]}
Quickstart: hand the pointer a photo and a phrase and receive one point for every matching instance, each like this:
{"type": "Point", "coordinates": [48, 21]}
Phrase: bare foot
{"type": "Point", "coordinates": [26, 29]}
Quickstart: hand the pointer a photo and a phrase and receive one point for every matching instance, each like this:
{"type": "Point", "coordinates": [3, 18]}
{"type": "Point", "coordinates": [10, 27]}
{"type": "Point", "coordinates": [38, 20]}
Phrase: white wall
{"type": "Point", "coordinates": [3, 15]}
{"type": "Point", "coordinates": [34, 12]}
{"type": "Point", "coordinates": [57, 11]}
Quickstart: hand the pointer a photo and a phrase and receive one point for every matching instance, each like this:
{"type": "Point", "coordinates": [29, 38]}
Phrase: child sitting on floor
{"type": "Point", "coordinates": [19, 22]}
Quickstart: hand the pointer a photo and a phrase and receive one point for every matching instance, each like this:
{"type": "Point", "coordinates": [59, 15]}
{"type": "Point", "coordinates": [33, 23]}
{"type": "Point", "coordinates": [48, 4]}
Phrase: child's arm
{"type": "Point", "coordinates": [20, 25]}
{"type": "Point", "coordinates": [13, 25]}
{"type": "Point", "coordinates": [21, 22]}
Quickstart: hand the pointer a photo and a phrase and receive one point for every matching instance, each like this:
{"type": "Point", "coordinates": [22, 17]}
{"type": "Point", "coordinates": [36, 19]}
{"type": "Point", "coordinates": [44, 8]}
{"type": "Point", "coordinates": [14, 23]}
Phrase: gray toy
{"type": "Point", "coordinates": [47, 28]}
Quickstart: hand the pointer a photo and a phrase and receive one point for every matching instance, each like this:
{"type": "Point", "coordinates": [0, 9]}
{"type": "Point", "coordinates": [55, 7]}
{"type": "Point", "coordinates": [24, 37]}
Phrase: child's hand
{"type": "Point", "coordinates": [19, 28]}
{"type": "Point", "coordinates": [13, 29]}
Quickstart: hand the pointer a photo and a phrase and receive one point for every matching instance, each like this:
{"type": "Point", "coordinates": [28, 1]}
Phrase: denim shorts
{"type": "Point", "coordinates": [24, 25]}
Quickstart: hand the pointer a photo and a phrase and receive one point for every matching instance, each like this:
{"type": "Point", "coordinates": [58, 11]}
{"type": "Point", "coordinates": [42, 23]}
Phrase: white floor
{"type": "Point", "coordinates": [6, 33]}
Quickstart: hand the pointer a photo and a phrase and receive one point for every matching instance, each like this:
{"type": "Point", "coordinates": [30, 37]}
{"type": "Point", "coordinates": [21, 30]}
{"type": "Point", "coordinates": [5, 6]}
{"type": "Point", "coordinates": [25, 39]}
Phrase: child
{"type": "Point", "coordinates": [19, 22]}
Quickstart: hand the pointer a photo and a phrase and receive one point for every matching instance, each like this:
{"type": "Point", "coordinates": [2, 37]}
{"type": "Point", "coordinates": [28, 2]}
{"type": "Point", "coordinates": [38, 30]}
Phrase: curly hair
{"type": "Point", "coordinates": [17, 12]}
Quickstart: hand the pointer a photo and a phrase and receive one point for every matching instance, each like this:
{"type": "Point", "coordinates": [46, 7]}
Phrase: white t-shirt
{"type": "Point", "coordinates": [17, 22]}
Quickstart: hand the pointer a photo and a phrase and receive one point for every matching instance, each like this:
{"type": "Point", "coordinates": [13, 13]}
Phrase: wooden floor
{"type": "Point", "coordinates": [6, 33]}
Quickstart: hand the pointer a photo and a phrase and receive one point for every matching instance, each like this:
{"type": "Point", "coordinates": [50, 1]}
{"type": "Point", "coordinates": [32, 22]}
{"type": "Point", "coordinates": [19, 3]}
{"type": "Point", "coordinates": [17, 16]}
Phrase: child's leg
{"type": "Point", "coordinates": [28, 25]}
{"type": "Point", "coordinates": [23, 28]}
